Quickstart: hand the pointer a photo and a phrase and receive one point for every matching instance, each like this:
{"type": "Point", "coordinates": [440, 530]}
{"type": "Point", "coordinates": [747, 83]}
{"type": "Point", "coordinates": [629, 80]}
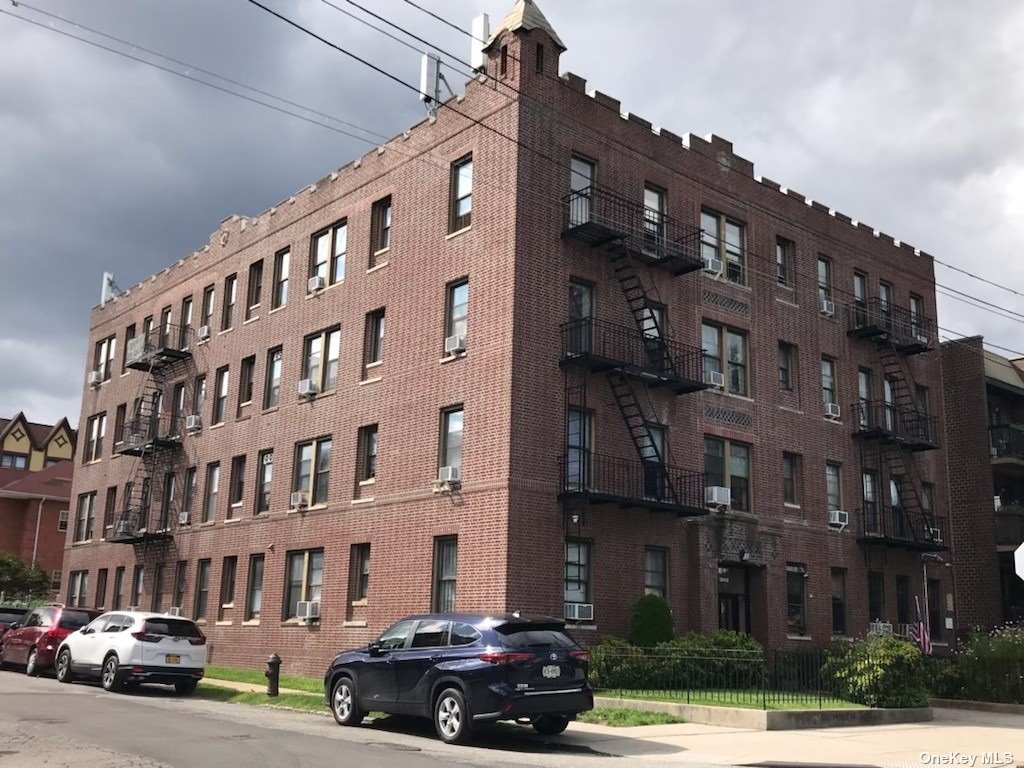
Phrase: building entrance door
{"type": "Point", "coordinates": [734, 599]}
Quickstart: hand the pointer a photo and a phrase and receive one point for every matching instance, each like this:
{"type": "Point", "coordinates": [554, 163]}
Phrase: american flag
{"type": "Point", "coordinates": [919, 632]}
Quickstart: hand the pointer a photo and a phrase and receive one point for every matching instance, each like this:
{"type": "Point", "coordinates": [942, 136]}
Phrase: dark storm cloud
{"type": "Point", "coordinates": [907, 116]}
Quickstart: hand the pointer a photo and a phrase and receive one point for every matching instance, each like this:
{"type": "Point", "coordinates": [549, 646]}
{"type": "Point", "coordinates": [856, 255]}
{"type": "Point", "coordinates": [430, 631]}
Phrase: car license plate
{"type": "Point", "coordinates": [173, 659]}
{"type": "Point", "coordinates": [551, 670]}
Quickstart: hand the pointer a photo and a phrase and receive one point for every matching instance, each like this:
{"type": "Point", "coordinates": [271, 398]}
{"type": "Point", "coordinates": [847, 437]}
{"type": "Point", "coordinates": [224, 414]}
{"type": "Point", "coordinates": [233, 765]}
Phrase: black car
{"type": "Point", "coordinates": [462, 670]}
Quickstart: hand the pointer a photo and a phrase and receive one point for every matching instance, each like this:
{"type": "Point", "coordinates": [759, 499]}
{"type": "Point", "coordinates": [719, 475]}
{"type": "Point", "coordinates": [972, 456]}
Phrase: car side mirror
{"type": "Point", "coordinates": [15, 625]}
{"type": "Point", "coordinates": [374, 649]}
{"type": "Point", "coordinates": [86, 631]}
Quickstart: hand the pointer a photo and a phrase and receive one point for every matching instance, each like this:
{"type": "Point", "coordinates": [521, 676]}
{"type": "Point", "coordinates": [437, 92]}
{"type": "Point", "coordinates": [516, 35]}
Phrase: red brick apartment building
{"type": "Point", "coordinates": [579, 397]}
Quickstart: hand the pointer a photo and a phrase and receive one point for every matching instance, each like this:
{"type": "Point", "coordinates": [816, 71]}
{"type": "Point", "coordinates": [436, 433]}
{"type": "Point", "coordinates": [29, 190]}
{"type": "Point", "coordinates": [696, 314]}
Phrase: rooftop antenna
{"type": "Point", "coordinates": [431, 78]}
{"type": "Point", "coordinates": [481, 34]}
{"type": "Point", "coordinates": [109, 289]}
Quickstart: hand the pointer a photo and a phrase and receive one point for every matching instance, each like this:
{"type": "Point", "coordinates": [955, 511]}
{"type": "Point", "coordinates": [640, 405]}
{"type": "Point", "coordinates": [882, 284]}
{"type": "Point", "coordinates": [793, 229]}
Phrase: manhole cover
{"type": "Point", "coordinates": [396, 747]}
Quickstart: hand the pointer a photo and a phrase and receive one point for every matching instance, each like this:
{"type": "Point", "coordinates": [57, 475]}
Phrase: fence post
{"type": "Point", "coordinates": [764, 680]}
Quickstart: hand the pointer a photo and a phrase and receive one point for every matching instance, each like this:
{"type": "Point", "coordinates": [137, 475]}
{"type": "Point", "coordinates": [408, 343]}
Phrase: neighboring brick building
{"type": "Point", "coordinates": [985, 432]}
{"type": "Point", "coordinates": [530, 296]}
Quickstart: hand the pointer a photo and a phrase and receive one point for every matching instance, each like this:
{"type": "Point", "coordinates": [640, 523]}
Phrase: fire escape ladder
{"type": "Point", "coordinates": [647, 321]}
{"type": "Point", "coordinates": [653, 458]}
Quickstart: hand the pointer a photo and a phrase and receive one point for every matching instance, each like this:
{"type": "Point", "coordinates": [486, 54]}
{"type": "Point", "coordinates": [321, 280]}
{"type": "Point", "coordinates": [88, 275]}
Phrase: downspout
{"type": "Point", "coordinates": [35, 544]}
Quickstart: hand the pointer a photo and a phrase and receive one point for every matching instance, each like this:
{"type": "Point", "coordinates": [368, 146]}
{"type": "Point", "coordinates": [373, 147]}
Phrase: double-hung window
{"type": "Point", "coordinates": [227, 318]}
{"type": "Point", "coordinates": [791, 479]}
{"type": "Point", "coordinates": [727, 464]}
{"type": "Point", "coordinates": [824, 279]}
{"type": "Point", "coordinates": [715, 339]}
{"type": "Point", "coordinates": [833, 486]}
{"type": "Point", "coordinates": [202, 589]}
{"type": "Point", "coordinates": [366, 454]}
{"type": "Point", "coordinates": [839, 602]}
{"type": "Point", "coordinates": [254, 589]}
{"type": "Point", "coordinates": [380, 229]}
{"type": "Point", "coordinates": [828, 381]}
{"type": "Point", "coordinates": [320, 359]}
{"type": "Point", "coordinates": [85, 516]}
{"type": "Point", "coordinates": [723, 238]}
{"type": "Point", "coordinates": [96, 429]}
{"type": "Point", "coordinates": [211, 491]}
{"type": "Point", "coordinates": [206, 318]}
{"type": "Point", "coordinates": [312, 470]}
{"type": "Point", "coordinates": [304, 576]}
{"type": "Point", "coordinates": [229, 568]}
{"type": "Point", "coordinates": [265, 468]}
{"type": "Point", "coordinates": [869, 484]}
{"type": "Point", "coordinates": [359, 580]}
{"type": "Point", "coordinates": [796, 599]}
{"type": "Point", "coordinates": [254, 289]}
{"type": "Point", "coordinates": [451, 437]}
{"type": "Point", "coordinates": [220, 395]}
{"type": "Point", "coordinates": [577, 459]}
{"type": "Point", "coordinates": [784, 250]}
{"type": "Point", "coordinates": [246, 377]}
{"type": "Point", "coordinates": [581, 185]}
{"type": "Point", "coordinates": [577, 571]}
{"type": "Point", "coordinates": [654, 216]}
{"type": "Point", "coordinates": [787, 370]}
{"type": "Point", "coordinates": [272, 381]}
{"type": "Point", "coordinates": [445, 562]}
{"type": "Point", "coordinates": [280, 295]}
{"type": "Point", "coordinates": [236, 492]}
{"type": "Point", "coordinates": [457, 310]}
{"type": "Point", "coordinates": [327, 253]}
{"type": "Point", "coordinates": [103, 357]}
{"type": "Point", "coordinates": [655, 571]}
{"type": "Point", "coordinates": [373, 342]}
{"type": "Point", "coordinates": [461, 204]}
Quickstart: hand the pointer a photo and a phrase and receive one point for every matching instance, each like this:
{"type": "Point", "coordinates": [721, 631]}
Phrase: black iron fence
{"type": "Point", "coordinates": [645, 483]}
{"type": "Point", "coordinates": [976, 679]}
{"type": "Point", "coordinates": [876, 418]}
{"type": "Point", "coordinates": [895, 523]}
{"type": "Point", "coordinates": [904, 327]}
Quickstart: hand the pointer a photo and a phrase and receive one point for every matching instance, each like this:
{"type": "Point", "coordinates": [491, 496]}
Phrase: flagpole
{"type": "Point", "coordinates": [927, 612]}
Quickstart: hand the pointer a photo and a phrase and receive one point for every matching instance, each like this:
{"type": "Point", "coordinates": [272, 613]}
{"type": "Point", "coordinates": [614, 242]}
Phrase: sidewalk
{"type": "Point", "coordinates": [250, 687]}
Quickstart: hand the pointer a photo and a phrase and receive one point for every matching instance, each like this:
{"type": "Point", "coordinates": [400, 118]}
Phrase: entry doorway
{"type": "Point", "coordinates": [734, 598]}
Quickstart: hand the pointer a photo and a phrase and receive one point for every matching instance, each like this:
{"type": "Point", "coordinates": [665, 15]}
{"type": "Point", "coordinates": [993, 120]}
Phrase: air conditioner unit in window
{"type": "Point", "coordinates": [184, 519]}
{"type": "Point", "coordinates": [65, 515]}
{"type": "Point", "coordinates": [715, 379]}
{"type": "Point", "coordinates": [454, 344]}
{"type": "Point", "coordinates": [193, 423]}
{"type": "Point", "coordinates": [922, 337]}
{"type": "Point", "coordinates": [124, 528]}
{"type": "Point", "coordinates": [713, 266]}
{"type": "Point", "coordinates": [308, 388]}
{"type": "Point", "coordinates": [935, 534]}
{"type": "Point", "coordinates": [827, 307]}
{"type": "Point", "coordinates": [203, 333]}
{"type": "Point", "coordinates": [579, 611]}
{"type": "Point", "coordinates": [717, 496]}
{"type": "Point", "coordinates": [95, 378]}
{"type": "Point", "coordinates": [299, 500]}
{"type": "Point", "coordinates": [838, 519]}
{"type": "Point", "coordinates": [833, 411]}
{"type": "Point", "coordinates": [315, 283]}
{"type": "Point", "coordinates": [308, 610]}
{"type": "Point", "coordinates": [449, 474]}
{"type": "Point", "coordinates": [174, 610]}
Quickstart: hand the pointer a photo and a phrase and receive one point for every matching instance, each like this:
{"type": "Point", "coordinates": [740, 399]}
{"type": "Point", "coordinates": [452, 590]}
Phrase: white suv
{"type": "Point", "coordinates": [132, 647]}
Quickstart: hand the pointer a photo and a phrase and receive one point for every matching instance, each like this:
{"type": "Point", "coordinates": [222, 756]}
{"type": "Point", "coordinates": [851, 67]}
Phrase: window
{"type": "Point", "coordinates": [96, 430]}
{"type": "Point", "coordinates": [118, 588]}
{"type": "Point", "coordinates": [833, 487]}
{"type": "Point", "coordinates": [870, 490]}
{"type": "Point", "coordinates": [445, 556]}
{"type": "Point", "coordinates": [85, 517]}
{"type": "Point", "coordinates": [457, 309]}
{"type": "Point", "coordinates": [138, 576]}
{"type": "Point", "coordinates": [177, 409]}
{"type": "Point", "coordinates": [237, 490]}
{"type": "Point", "coordinates": [320, 369]}
{"type": "Point", "coordinates": [179, 583]}
{"type": "Point", "coordinates": [902, 599]}
{"type": "Point", "coordinates": [654, 216]}
{"type": "Point", "coordinates": [185, 331]}
{"type": "Point", "coordinates": [787, 371]}
{"type": "Point", "coordinates": [359, 581]}
{"type": "Point", "coordinates": [312, 469]}
{"type": "Point", "coordinates": [199, 395]}
{"type": "Point", "coordinates": [577, 459]}
{"type": "Point", "coordinates": [157, 601]}
{"type": "Point", "coordinates": [366, 460]}
{"type": "Point", "coordinates": [839, 602]}
{"type": "Point", "coordinates": [280, 297]}
{"type": "Point", "coordinates": [581, 185]}
{"type": "Point", "coordinates": [265, 468]}
{"type": "Point", "coordinates": [210, 492]}
{"type": "Point", "coordinates": [784, 250]}
{"type": "Point", "coordinates": [188, 500]}
{"type": "Point", "coordinates": [373, 343]}
{"type": "Point", "coordinates": [303, 580]}
{"type": "Point", "coordinates": [927, 493]}
{"type": "Point", "coordinates": [101, 588]}
{"type": "Point", "coordinates": [791, 478]}
{"type": "Point", "coordinates": [581, 314]}
{"type": "Point", "coordinates": [577, 571]}
{"type": "Point", "coordinates": [165, 327]}
{"type": "Point", "coordinates": [923, 427]}
{"type": "Point", "coordinates": [451, 437]}
{"type": "Point", "coordinates": [734, 474]}
{"type": "Point", "coordinates": [461, 204]}
{"type": "Point", "coordinates": [828, 380]}
{"type": "Point", "coordinates": [166, 501]}
{"type": "Point", "coordinates": [245, 382]}
{"type": "Point", "coordinates": [62, 520]}
{"type": "Point", "coordinates": [327, 254]}
{"type": "Point", "coordinates": [864, 415]}
{"type": "Point", "coordinates": [103, 357]}
{"type": "Point", "coordinates": [380, 232]}
{"type": "Point", "coordinates": [10, 460]}
{"type": "Point", "coordinates": [220, 395]}
{"type": "Point", "coordinates": [723, 239]}
{"type": "Point", "coordinates": [254, 289]}
{"type": "Point", "coordinates": [147, 329]}
{"type": "Point", "coordinates": [227, 318]}
{"type": "Point", "coordinates": [655, 572]}
{"type": "Point", "coordinates": [503, 66]}
{"type": "Point", "coordinates": [713, 339]}
{"type": "Point", "coordinates": [916, 318]}
{"type": "Point", "coordinates": [202, 589]}
{"type": "Point", "coordinates": [935, 610]}
{"type": "Point", "coordinates": [796, 599]}
{"type": "Point", "coordinates": [78, 587]}
{"type": "Point", "coordinates": [227, 584]}
{"type": "Point", "coordinates": [272, 381]}
{"type": "Point", "coordinates": [540, 59]}
{"type": "Point", "coordinates": [824, 279]}
{"type": "Point", "coordinates": [254, 589]}
{"type": "Point", "coordinates": [206, 320]}
{"type": "Point", "coordinates": [860, 296]}
{"type": "Point", "coordinates": [885, 303]}
{"type": "Point", "coordinates": [129, 334]}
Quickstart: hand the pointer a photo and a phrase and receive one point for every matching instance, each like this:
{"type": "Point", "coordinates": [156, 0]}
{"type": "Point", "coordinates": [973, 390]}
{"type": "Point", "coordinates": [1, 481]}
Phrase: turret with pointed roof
{"type": "Point", "coordinates": [525, 14]}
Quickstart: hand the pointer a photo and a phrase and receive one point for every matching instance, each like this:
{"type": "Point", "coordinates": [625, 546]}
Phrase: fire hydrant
{"type": "Point", "coordinates": [273, 674]}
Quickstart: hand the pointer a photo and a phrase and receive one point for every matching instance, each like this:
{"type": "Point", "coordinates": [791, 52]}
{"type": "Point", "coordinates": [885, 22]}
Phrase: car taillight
{"type": "Point", "coordinates": [580, 655]}
{"type": "Point", "coordinates": [201, 640]}
{"type": "Point", "coordinates": [145, 637]}
{"type": "Point", "coordinates": [504, 657]}
{"type": "Point", "coordinates": [57, 633]}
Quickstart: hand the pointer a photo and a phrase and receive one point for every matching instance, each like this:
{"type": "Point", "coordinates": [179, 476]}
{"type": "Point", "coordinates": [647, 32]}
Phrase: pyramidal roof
{"type": "Point", "coordinates": [526, 15]}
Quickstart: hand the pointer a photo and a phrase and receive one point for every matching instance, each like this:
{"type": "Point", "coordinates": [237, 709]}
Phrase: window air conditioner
{"type": "Point", "coordinates": [193, 423]}
{"type": "Point", "coordinates": [837, 518]}
{"type": "Point", "coordinates": [448, 474]}
{"type": "Point", "coordinates": [833, 411]}
{"type": "Point", "coordinates": [922, 338]}
{"type": "Point", "coordinates": [713, 266]}
{"type": "Point", "coordinates": [308, 388]}
{"type": "Point", "coordinates": [135, 350]}
{"type": "Point", "coordinates": [935, 534]}
{"type": "Point", "coordinates": [717, 496]}
{"type": "Point", "coordinates": [579, 611]}
{"type": "Point", "coordinates": [454, 344]}
{"type": "Point", "coordinates": [184, 519]}
{"type": "Point", "coordinates": [715, 379]}
{"type": "Point", "coordinates": [174, 610]}
{"type": "Point", "coordinates": [827, 307]}
{"type": "Point", "coordinates": [124, 528]}
{"type": "Point", "coordinates": [204, 332]}
{"type": "Point", "coordinates": [299, 500]}
{"type": "Point", "coordinates": [315, 283]}
{"type": "Point", "coordinates": [95, 378]}
{"type": "Point", "coordinates": [308, 610]}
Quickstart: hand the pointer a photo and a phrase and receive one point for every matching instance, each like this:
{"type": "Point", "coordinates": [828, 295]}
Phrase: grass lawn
{"type": "Point", "coordinates": [740, 699]}
{"type": "Point", "coordinates": [300, 701]}
{"type": "Point", "coordinates": [618, 717]}
{"type": "Point", "coordinates": [256, 676]}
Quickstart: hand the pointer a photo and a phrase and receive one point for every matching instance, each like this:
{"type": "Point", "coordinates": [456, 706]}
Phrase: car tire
{"type": "Point", "coordinates": [550, 725]}
{"type": "Point", "coordinates": [32, 664]}
{"type": "Point", "coordinates": [64, 674]}
{"type": "Point", "coordinates": [452, 718]}
{"type": "Point", "coordinates": [3, 664]}
{"type": "Point", "coordinates": [185, 687]}
{"type": "Point", "coordinates": [111, 676]}
{"type": "Point", "coordinates": [345, 704]}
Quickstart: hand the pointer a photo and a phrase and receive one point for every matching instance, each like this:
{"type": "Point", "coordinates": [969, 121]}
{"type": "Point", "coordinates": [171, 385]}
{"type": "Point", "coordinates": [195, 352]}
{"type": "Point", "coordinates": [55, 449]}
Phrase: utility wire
{"type": "Point", "coordinates": [384, 32]}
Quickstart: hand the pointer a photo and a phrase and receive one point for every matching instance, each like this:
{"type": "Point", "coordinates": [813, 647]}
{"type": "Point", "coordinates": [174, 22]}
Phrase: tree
{"type": "Point", "coordinates": [20, 580]}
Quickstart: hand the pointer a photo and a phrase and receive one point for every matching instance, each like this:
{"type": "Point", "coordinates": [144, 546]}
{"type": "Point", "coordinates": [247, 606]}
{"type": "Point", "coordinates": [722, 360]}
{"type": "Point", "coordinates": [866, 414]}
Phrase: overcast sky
{"type": "Point", "coordinates": [908, 116]}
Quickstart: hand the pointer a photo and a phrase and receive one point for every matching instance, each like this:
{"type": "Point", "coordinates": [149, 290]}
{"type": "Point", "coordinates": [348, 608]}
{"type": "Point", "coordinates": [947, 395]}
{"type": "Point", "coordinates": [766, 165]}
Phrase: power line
{"type": "Point", "coordinates": [445, 21]}
{"type": "Point", "coordinates": [384, 32]}
{"type": "Point", "coordinates": [978, 277]}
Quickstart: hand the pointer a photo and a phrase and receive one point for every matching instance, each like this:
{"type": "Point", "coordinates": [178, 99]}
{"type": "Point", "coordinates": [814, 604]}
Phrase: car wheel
{"type": "Point", "coordinates": [550, 725]}
{"type": "Point", "coordinates": [185, 687]}
{"type": "Point", "coordinates": [64, 667]}
{"type": "Point", "coordinates": [344, 704]}
{"type": "Point", "coordinates": [451, 717]}
{"type": "Point", "coordinates": [32, 665]}
{"type": "Point", "coordinates": [112, 679]}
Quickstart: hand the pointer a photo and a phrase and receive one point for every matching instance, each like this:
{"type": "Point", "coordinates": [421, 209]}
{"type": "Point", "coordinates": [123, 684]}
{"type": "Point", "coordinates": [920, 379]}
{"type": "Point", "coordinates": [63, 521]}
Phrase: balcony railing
{"type": "Point", "coordinates": [160, 347]}
{"type": "Point", "coordinates": [909, 332]}
{"type": "Point", "coordinates": [150, 433]}
{"type": "Point", "coordinates": [601, 218]}
{"type": "Point", "coordinates": [1007, 441]}
{"type": "Point", "coordinates": [892, 526]}
{"type": "Point", "coordinates": [601, 479]}
{"type": "Point", "coordinates": [876, 420]}
{"type": "Point", "coordinates": [600, 346]}
{"type": "Point", "coordinates": [136, 525]}
{"type": "Point", "coordinates": [1010, 523]}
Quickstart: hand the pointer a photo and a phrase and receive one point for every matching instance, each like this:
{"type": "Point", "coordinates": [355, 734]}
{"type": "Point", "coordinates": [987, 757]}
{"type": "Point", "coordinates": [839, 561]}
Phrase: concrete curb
{"type": "Point", "coordinates": [772, 720]}
{"type": "Point", "coordinates": [978, 706]}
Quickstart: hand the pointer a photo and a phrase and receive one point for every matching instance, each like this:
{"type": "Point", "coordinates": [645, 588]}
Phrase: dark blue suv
{"type": "Point", "coordinates": [464, 669]}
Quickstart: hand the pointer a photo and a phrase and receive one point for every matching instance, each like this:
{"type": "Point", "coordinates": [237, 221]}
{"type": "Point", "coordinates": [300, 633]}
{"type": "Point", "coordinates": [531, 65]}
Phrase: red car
{"type": "Point", "coordinates": [33, 642]}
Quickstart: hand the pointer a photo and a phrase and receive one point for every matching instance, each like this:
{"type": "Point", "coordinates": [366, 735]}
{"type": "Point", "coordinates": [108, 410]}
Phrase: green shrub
{"type": "Point", "coordinates": [945, 678]}
{"type": "Point", "coordinates": [878, 672]}
{"type": "Point", "coordinates": [650, 621]}
{"type": "Point", "coordinates": [992, 666]}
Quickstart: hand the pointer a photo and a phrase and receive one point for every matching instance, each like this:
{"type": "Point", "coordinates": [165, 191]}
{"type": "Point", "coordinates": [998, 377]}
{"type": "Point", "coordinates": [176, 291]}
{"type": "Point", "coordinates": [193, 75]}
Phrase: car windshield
{"type": "Point", "coordinates": [72, 620]}
{"type": "Point", "coordinates": [8, 617]}
{"type": "Point", "coordinates": [534, 636]}
{"type": "Point", "coordinates": [171, 628]}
